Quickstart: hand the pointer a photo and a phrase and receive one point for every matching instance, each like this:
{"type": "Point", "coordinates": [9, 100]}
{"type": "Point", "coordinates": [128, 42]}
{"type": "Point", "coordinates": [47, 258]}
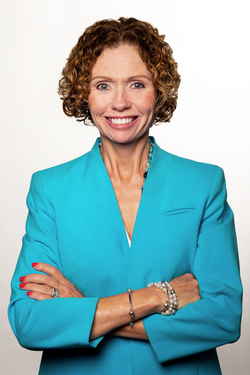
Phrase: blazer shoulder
{"type": "Point", "coordinates": [64, 171]}
{"type": "Point", "coordinates": [190, 167]}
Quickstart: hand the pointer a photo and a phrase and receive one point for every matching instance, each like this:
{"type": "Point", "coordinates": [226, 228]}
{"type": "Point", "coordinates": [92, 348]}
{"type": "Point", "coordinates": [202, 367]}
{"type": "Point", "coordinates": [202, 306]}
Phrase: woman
{"type": "Point", "coordinates": [103, 226]}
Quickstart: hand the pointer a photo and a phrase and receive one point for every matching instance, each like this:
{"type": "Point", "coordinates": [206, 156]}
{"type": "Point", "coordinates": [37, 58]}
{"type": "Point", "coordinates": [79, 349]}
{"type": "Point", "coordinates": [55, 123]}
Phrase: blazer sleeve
{"type": "Point", "coordinates": [54, 323]}
{"type": "Point", "coordinates": [215, 319]}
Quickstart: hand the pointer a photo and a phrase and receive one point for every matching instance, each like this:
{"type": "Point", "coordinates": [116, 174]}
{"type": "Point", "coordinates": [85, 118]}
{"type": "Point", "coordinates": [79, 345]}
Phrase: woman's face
{"type": "Point", "coordinates": [122, 96]}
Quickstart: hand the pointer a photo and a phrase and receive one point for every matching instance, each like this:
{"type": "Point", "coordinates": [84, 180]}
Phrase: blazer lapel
{"type": "Point", "coordinates": [160, 242]}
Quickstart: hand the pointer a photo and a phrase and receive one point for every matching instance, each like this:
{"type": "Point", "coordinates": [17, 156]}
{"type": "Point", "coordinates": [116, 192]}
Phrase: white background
{"type": "Point", "coordinates": [210, 40]}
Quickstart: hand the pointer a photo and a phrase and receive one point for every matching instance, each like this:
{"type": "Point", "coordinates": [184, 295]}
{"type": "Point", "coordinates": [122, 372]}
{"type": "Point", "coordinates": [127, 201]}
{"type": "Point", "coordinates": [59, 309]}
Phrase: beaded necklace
{"type": "Point", "coordinates": [147, 166]}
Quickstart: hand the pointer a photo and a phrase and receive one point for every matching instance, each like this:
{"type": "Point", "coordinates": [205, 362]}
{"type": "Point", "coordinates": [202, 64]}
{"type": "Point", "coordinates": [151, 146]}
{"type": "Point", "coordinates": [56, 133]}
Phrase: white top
{"type": "Point", "coordinates": [129, 240]}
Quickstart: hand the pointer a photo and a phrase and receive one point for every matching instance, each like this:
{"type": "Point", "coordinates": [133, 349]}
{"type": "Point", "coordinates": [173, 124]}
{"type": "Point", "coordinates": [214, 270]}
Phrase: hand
{"type": "Point", "coordinates": [186, 288]}
{"type": "Point", "coordinates": [40, 286]}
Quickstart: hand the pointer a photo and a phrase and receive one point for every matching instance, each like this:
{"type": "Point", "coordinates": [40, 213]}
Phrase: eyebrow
{"type": "Point", "coordinates": [105, 78]}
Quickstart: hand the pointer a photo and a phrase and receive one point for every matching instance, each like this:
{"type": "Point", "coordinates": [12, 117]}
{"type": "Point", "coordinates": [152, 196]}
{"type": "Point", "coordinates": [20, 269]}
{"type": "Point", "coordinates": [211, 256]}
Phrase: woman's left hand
{"type": "Point", "coordinates": [40, 286]}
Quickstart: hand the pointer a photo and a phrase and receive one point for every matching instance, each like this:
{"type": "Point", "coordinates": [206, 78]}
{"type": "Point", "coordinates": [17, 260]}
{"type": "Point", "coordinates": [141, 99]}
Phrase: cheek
{"type": "Point", "coordinates": [97, 104]}
{"type": "Point", "coordinates": [148, 103]}
{"type": "Point", "coordinates": [92, 102]}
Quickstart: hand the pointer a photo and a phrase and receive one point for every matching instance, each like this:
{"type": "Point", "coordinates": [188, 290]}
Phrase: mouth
{"type": "Point", "coordinates": [121, 121]}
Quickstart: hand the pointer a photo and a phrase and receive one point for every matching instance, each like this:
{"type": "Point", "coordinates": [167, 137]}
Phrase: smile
{"type": "Point", "coordinates": [121, 121]}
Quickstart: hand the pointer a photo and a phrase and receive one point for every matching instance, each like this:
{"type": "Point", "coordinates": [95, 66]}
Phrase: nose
{"type": "Point", "coordinates": [120, 100]}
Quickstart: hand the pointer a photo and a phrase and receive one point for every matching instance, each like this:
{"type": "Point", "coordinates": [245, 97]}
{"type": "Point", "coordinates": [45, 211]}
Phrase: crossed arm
{"type": "Point", "coordinates": [112, 313]}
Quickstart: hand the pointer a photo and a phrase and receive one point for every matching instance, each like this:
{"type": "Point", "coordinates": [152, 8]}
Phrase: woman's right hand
{"type": "Point", "coordinates": [186, 288]}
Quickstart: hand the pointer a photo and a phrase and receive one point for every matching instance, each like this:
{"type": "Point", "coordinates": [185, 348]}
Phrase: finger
{"type": "Point", "coordinates": [64, 290]}
{"type": "Point", "coordinates": [52, 271]}
{"type": "Point", "coordinates": [39, 278]}
{"type": "Point", "coordinates": [38, 296]}
{"type": "Point", "coordinates": [42, 289]}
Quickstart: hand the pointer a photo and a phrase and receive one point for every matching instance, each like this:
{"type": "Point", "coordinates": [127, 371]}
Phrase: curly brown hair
{"type": "Point", "coordinates": [155, 52]}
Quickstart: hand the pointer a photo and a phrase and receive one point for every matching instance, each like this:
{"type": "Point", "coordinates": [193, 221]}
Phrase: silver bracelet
{"type": "Point", "coordinates": [131, 313]}
{"type": "Point", "coordinates": [170, 306]}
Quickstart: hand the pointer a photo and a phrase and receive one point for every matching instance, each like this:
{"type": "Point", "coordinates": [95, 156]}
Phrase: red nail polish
{"type": "Point", "coordinates": [22, 285]}
{"type": "Point", "coordinates": [22, 278]}
{"type": "Point", "coordinates": [29, 293]}
{"type": "Point", "coordinates": [34, 264]}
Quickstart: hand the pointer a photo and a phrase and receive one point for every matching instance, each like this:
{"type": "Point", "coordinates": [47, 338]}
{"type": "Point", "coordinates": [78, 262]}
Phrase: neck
{"type": "Point", "coordinates": [125, 161]}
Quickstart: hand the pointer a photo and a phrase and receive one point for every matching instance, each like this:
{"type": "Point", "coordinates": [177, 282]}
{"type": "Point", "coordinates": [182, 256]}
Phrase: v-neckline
{"type": "Point", "coordinates": [114, 202]}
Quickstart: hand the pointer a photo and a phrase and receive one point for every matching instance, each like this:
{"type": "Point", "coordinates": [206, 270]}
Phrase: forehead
{"type": "Point", "coordinates": [120, 61]}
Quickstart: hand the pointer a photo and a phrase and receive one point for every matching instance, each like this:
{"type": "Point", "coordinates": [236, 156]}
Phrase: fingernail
{"type": "Point", "coordinates": [22, 285]}
{"type": "Point", "coordinates": [34, 264]}
{"type": "Point", "coordinates": [22, 278]}
{"type": "Point", "coordinates": [29, 293]}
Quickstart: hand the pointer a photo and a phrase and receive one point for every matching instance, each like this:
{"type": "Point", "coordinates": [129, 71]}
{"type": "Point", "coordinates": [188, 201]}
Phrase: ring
{"type": "Point", "coordinates": [57, 293]}
{"type": "Point", "coordinates": [53, 292]}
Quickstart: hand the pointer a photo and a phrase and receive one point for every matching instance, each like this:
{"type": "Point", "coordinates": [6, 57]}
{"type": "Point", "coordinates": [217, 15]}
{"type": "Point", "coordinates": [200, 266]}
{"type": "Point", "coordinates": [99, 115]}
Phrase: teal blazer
{"type": "Point", "coordinates": [183, 224]}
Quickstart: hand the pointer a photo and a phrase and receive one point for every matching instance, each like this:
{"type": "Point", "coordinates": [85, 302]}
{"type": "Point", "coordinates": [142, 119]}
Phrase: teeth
{"type": "Point", "coordinates": [126, 120]}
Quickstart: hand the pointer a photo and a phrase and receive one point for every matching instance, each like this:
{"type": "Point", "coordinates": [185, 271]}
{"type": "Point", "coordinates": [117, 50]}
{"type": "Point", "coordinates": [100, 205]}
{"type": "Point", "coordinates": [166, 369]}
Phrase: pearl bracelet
{"type": "Point", "coordinates": [170, 306]}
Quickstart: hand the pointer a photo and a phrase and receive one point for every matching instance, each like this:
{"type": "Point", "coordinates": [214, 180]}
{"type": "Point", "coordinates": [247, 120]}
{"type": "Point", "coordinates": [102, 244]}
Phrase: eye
{"type": "Point", "coordinates": [138, 85]}
{"type": "Point", "coordinates": [102, 86]}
